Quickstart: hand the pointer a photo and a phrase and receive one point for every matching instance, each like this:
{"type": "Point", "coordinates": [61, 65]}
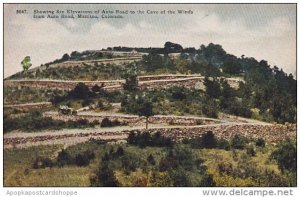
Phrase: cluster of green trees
{"type": "Point", "coordinates": [169, 47]}
{"type": "Point", "coordinates": [146, 139]}
{"type": "Point", "coordinates": [226, 98]}
{"type": "Point", "coordinates": [87, 96]}
{"type": "Point", "coordinates": [270, 90]}
{"type": "Point", "coordinates": [64, 158]}
{"type": "Point", "coordinates": [179, 167]}
{"type": "Point", "coordinates": [174, 100]}
{"type": "Point", "coordinates": [208, 140]}
{"type": "Point", "coordinates": [206, 162]}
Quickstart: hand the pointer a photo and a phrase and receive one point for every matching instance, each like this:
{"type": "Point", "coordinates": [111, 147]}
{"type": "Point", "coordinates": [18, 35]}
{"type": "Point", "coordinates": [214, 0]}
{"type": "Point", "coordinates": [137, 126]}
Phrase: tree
{"type": "Point", "coordinates": [232, 67]}
{"type": "Point", "coordinates": [172, 47]}
{"type": "Point", "coordinates": [146, 109]}
{"type": "Point", "coordinates": [26, 63]}
{"type": "Point", "coordinates": [81, 91]}
{"type": "Point", "coordinates": [65, 57]}
{"type": "Point", "coordinates": [63, 158]}
{"type": "Point", "coordinates": [120, 151]}
{"type": "Point", "coordinates": [286, 156]}
{"type": "Point", "coordinates": [213, 88]}
{"type": "Point", "coordinates": [131, 83]}
{"type": "Point", "coordinates": [104, 176]}
{"type": "Point", "coordinates": [209, 140]}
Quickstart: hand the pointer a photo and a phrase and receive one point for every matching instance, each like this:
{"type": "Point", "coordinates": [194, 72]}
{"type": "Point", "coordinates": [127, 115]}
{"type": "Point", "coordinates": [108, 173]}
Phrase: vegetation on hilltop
{"type": "Point", "coordinates": [267, 93]}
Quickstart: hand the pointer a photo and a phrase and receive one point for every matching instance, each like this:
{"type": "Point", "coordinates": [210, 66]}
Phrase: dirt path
{"type": "Point", "coordinates": [74, 136]}
{"type": "Point", "coordinates": [27, 105]}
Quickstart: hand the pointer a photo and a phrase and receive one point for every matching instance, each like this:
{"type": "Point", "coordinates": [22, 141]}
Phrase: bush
{"type": "Point", "coordinates": [223, 144]}
{"type": "Point", "coordinates": [42, 162]}
{"type": "Point", "coordinates": [151, 160]}
{"type": "Point", "coordinates": [81, 91]}
{"type": "Point", "coordinates": [146, 139]}
{"type": "Point", "coordinates": [84, 158]}
{"type": "Point", "coordinates": [250, 151]}
{"type": "Point", "coordinates": [238, 142]}
{"type": "Point", "coordinates": [120, 151]}
{"type": "Point", "coordinates": [180, 178]}
{"type": "Point", "coordinates": [104, 177]}
{"type": "Point", "coordinates": [207, 181]}
{"type": "Point", "coordinates": [286, 156]}
{"type": "Point", "coordinates": [108, 123]}
{"type": "Point", "coordinates": [64, 158]}
{"type": "Point", "coordinates": [225, 168]}
{"type": "Point", "coordinates": [209, 140]}
{"type": "Point", "coordinates": [260, 142]}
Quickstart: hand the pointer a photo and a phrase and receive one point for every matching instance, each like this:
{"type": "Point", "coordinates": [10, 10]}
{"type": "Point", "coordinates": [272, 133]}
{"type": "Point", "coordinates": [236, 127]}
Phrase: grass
{"type": "Point", "coordinates": [15, 95]}
{"type": "Point", "coordinates": [19, 172]}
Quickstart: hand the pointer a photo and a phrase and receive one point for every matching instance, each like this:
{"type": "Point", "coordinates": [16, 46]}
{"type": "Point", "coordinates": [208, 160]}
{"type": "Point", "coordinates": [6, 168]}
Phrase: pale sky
{"type": "Point", "coordinates": [262, 31]}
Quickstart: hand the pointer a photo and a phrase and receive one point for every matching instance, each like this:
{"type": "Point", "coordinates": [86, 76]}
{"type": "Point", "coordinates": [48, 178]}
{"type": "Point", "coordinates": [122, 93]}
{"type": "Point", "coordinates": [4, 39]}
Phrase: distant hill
{"type": "Point", "coordinates": [269, 91]}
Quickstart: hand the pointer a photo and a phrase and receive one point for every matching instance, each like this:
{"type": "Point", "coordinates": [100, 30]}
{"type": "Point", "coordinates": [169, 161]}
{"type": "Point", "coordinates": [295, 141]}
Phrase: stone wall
{"type": "Point", "coordinates": [29, 106]}
{"type": "Point", "coordinates": [59, 84]}
{"type": "Point", "coordinates": [110, 85]}
{"type": "Point", "coordinates": [271, 133]}
{"type": "Point", "coordinates": [134, 120]}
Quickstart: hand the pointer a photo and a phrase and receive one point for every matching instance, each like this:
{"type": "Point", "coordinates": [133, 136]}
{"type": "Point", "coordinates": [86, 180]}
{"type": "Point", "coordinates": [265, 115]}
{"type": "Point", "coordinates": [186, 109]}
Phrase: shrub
{"type": "Point", "coordinates": [225, 168]}
{"type": "Point", "coordinates": [129, 162]}
{"type": "Point", "coordinates": [42, 162]}
{"type": "Point", "coordinates": [104, 176]}
{"type": "Point", "coordinates": [209, 140]}
{"type": "Point", "coordinates": [223, 144]}
{"type": "Point", "coordinates": [167, 163]}
{"type": "Point", "coordinates": [207, 181]}
{"type": "Point", "coordinates": [260, 142]}
{"type": "Point", "coordinates": [238, 142]}
{"type": "Point", "coordinates": [146, 139]}
{"type": "Point", "coordinates": [286, 156]}
{"type": "Point", "coordinates": [180, 178]}
{"type": "Point", "coordinates": [250, 151]}
{"type": "Point", "coordinates": [108, 123]}
{"type": "Point", "coordinates": [81, 91]}
{"type": "Point", "coordinates": [120, 151]}
{"type": "Point", "coordinates": [64, 158]}
{"type": "Point", "coordinates": [151, 160]}
{"type": "Point", "coordinates": [84, 158]}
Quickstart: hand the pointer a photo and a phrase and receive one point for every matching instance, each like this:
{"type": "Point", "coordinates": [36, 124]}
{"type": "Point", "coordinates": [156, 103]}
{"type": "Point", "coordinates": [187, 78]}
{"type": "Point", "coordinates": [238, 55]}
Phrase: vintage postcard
{"type": "Point", "coordinates": [149, 95]}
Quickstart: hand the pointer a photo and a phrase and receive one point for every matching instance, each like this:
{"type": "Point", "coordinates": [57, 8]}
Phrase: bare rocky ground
{"type": "Point", "coordinates": [225, 129]}
{"type": "Point", "coordinates": [145, 82]}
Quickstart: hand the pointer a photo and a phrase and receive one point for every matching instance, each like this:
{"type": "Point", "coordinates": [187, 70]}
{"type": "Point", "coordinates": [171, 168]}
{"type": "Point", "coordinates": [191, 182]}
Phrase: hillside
{"type": "Point", "coordinates": [255, 83]}
{"type": "Point", "coordinates": [168, 116]}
